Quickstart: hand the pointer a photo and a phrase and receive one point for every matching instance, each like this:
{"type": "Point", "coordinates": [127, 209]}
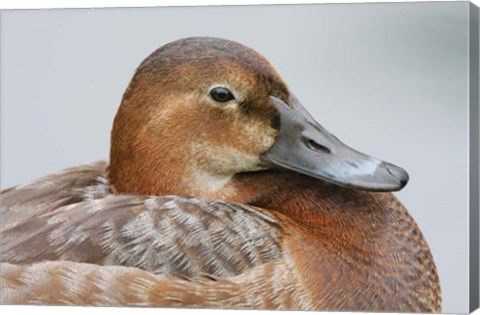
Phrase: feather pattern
{"type": "Point", "coordinates": [269, 286]}
{"type": "Point", "coordinates": [97, 248]}
{"type": "Point", "coordinates": [169, 235]}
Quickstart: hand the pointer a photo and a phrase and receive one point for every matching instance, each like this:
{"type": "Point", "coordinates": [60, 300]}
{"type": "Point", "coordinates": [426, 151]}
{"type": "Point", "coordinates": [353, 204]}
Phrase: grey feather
{"type": "Point", "coordinates": [74, 216]}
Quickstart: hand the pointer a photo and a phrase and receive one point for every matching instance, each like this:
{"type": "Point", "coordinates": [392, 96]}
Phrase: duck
{"type": "Point", "coordinates": [221, 191]}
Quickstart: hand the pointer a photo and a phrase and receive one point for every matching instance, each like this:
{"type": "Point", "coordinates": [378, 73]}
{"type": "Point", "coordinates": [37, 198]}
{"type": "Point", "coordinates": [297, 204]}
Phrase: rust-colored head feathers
{"type": "Point", "coordinates": [168, 111]}
{"type": "Point", "coordinates": [200, 111]}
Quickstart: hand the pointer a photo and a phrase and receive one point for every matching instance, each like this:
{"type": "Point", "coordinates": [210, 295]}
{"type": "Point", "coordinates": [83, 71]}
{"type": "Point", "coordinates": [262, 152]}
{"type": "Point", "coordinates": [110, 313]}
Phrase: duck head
{"type": "Point", "coordinates": [199, 111]}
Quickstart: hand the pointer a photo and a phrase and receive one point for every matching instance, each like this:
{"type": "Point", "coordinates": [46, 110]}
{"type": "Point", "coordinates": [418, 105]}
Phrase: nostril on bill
{"type": "Point", "coordinates": [317, 147]}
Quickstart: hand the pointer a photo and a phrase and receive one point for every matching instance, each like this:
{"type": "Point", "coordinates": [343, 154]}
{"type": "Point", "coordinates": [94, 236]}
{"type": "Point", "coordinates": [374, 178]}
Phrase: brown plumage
{"type": "Point", "coordinates": [245, 235]}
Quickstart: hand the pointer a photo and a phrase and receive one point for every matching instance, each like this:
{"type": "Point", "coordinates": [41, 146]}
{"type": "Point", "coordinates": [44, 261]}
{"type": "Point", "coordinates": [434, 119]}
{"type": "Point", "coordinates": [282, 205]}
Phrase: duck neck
{"type": "Point", "coordinates": [315, 202]}
{"type": "Point", "coordinates": [297, 196]}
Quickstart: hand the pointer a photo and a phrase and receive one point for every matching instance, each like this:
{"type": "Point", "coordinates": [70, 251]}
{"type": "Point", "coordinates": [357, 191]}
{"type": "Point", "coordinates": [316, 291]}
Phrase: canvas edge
{"type": "Point", "coordinates": [474, 155]}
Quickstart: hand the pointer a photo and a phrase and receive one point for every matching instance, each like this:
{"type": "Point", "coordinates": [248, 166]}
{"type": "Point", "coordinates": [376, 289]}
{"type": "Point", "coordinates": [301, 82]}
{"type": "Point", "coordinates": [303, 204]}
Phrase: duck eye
{"type": "Point", "coordinates": [221, 94]}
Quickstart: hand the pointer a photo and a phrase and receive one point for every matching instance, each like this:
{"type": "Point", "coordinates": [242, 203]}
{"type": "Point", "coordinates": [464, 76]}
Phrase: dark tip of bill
{"type": "Point", "coordinates": [399, 173]}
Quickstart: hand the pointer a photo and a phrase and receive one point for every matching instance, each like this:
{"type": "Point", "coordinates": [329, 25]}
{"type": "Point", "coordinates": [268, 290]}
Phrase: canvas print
{"type": "Point", "coordinates": [320, 165]}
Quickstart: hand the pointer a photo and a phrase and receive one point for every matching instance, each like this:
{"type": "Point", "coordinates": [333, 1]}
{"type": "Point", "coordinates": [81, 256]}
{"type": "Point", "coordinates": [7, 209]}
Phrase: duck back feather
{"type": "Point", "coordinates": [74, 216]}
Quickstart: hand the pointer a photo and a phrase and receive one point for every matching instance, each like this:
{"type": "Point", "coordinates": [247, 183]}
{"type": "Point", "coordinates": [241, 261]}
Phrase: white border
{"type": "Point", "coordinates": [45, 4]}
{"type": "Point", "coordinates": [78, 310]}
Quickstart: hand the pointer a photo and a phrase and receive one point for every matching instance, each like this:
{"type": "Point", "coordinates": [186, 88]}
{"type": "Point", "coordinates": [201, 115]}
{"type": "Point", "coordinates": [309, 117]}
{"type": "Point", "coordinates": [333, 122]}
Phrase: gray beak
{"type": "Point", "coordinates": [306, 147]}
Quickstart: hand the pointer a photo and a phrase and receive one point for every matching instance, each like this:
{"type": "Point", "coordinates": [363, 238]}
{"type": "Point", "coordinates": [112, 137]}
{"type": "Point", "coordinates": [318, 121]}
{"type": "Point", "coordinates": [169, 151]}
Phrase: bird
{"type": "Point", "coordinates": [221, 191]}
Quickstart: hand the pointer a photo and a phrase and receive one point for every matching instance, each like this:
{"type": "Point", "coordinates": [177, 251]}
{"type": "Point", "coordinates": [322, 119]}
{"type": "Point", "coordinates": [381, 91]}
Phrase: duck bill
{"type": "Point", "coordinates": [304, 146]}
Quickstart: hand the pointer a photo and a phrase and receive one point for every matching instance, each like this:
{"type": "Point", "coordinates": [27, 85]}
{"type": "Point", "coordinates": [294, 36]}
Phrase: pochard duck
{"type": "Point", "coordinates": [222, 191]}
